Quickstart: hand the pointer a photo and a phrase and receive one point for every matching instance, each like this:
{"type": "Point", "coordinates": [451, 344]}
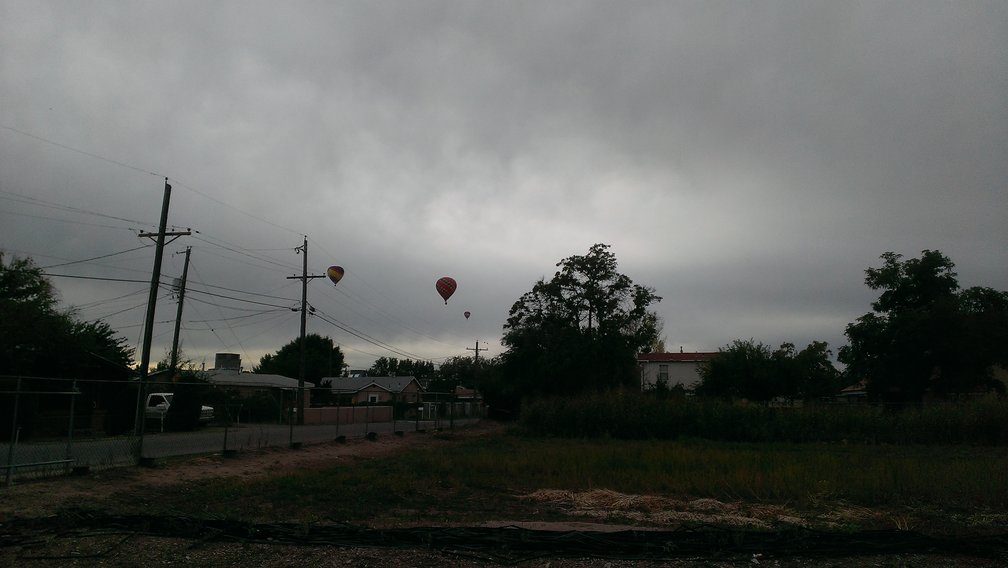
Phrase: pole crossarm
{"type": "Point", "coordinates": [174, 235]}
{"type": "Point", "coordinates": [477, 350]}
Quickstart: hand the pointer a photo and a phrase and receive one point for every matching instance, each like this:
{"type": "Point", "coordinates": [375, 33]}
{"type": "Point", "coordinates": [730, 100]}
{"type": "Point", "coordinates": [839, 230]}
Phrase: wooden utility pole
{"type": "Point", "coordinates": [477, 350]}
{"type": "Point", "coordinates": [159, 239]}
{"type": "Point", "coordinates": [304, 314]}
{"type": "Point", "coordinates": [178, 314]}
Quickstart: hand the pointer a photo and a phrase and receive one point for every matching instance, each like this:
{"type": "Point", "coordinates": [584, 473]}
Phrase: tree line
{"type": "Point", "coordinates": [581, 331]}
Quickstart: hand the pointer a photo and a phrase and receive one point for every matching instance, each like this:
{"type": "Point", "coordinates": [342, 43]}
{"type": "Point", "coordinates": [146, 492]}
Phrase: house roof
{"type": "Point", "coordinates": [357, 384]}
{"type": "Point", "coordinates": [695, 357]}
{"type": "Point", "coordinates": [236, 379]}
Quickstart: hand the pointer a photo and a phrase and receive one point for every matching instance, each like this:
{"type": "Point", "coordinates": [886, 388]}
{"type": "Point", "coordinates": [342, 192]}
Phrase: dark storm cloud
{"type": "Point", "coordinates": [749, 161]}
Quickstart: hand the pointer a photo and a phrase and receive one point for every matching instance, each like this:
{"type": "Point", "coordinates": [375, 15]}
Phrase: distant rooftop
{"type": "Point", "coordinates": [356, 384]}
{"type": "Point", "coordinates": [695, 357]}
{"type": "Point", "coordinates": [239, 379]}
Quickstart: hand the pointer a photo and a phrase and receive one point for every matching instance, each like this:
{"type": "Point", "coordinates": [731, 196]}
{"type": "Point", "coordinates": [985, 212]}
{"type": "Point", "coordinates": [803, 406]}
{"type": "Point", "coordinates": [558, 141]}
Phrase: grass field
{"type": "Point", "coordinates": [948, 488]}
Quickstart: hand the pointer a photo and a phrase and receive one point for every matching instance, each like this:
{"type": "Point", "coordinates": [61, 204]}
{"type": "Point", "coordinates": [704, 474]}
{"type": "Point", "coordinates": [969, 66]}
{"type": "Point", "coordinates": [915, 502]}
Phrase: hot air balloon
{"type": "Point", "coordinates": [446, 287]}
{"type": "Point", "coordinates": [467, 314]}
{"type": "Point", "coordinates": [335, 274]}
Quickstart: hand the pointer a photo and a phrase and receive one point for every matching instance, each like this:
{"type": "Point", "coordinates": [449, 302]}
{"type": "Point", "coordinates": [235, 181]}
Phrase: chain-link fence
{"type": "Point", "coordinates": [59, 426]}
{"type": "Point", "coordinates": [52, 426]}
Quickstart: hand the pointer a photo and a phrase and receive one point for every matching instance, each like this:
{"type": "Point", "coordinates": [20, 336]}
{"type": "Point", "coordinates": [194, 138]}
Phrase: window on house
{"type": "Point", "coordinates": [372, 398]}
{"type": "Point", "coordinates": [663, 373]}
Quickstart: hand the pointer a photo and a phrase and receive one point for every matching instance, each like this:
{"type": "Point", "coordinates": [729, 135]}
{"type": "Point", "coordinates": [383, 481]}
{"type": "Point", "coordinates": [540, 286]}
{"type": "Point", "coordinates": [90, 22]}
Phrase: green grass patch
{"type": "Point", "coordinates": [483, 479]}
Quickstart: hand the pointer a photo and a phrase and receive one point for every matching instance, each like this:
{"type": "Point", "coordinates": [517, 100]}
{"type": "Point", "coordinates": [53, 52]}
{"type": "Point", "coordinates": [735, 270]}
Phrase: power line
{"type": "Point", "coordinates": [265, 259]}
{"type": "Point", "coordinates": [238, 299]}
{"type": "Point", "coordinates": [39, 202]}
{"type": "Point", "coordinates": [361, 335]}
{"type": "Point", "coordinates": [97, 303]}
{"type": "Point", "coordinates": [356, 274]}
{"type": "Point", "coordinates": [96, 258]}
{"type": "Point", "coordinates": [65, 220]}
{"type": "Point", "coordinates": [79, 151]}
{"type": "Point", "coordinates": [91, 277]}
{"type": "Point", "coordinates": [229, 206]}
{"type": "Point", "coordinates": [241, 317]}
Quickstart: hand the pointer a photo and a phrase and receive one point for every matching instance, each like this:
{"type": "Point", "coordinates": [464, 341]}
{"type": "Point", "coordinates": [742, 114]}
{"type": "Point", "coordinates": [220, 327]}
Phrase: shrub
{"type": "Point", "coordinates": [634, 416]}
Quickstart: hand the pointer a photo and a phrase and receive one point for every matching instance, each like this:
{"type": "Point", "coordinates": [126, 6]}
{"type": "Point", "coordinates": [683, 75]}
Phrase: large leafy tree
{"type": "Point", "coordinates": [323, 358]}
{"type": "Point", "coordinates": [38, 338]}
{"type": "Point", "coordinates": [392, 367]}
{"type": "Point", "coordinates": [924, 334]}
{"type": "Point", "coordinates": [468, 372]}
{"type": "Point", "coordinates": [751, 370]}
{"type": "Point", "coordinates": [581, 330]}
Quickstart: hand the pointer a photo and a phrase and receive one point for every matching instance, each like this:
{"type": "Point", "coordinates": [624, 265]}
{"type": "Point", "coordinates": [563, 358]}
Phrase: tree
{"type": "Point", "coordinates": [323, 358]}
{"type": "Point", "coordinates": [392, 367]}
{"type": "Point", "coordinates": [465, 371]}
{"type": "Point", "coordinates": [924, 335]}
{"type": "Point", "coordinates": [579, 331]}
{"type": "Point", "coordinates": [750, 370]}
{"type": "Point", "coordinates": [37, 338]}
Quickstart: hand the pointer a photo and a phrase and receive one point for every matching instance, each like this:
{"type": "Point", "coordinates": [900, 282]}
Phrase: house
{"type": "Point", "coordinates": [853, 394]}
{"type": "Point", "coordinates": [375, 390]}
{"type": "Point", "coordinates": [672, 369]}
{"type": "Point", "coordinates": [227, 374]}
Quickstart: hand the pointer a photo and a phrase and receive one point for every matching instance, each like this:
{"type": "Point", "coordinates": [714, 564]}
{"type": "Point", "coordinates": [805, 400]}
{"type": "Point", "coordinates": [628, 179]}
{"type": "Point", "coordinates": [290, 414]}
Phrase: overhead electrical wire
{"type": "Point", "coordinates": [371, 287]}
{"type": "Point", "coordinates": [79, 151]}
{"type": "Point", "coordinates": [106, 316]}
{"type": "Point", "coordinates": [235, 249]}
{"type": "Point", "coordinates": [66, 221]}
{"type": "Point", "coordinates": [194, 267]}
{"type": "Point", "coordinates": [273, 263]}
{"type": "Point", "coordinates": [78, 276]}
{"type": "Point", "coordinates": [96, 257]}
{"type": "Point", "coordinates": [365, 337]}
{"type": "Point", "coordinates": [97, 303]}
{"type": "Point", "coordinates": [39, 202]}
{"type": "Point", "coordinates": [241, 317]}
{"type": "Point", "coordinates": [197, 291]}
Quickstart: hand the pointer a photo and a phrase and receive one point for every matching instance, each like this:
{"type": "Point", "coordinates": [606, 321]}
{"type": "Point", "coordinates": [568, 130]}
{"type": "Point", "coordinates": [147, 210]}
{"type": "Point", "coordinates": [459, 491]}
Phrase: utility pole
{"type": "Point", "coordinates": [304, 314]}
{"type": "Point", "coordinates": [178, 314]}
{"type": "Point", "coordinates": [151, 304]}
{"type": "Point", "coordinates": [477, 350]}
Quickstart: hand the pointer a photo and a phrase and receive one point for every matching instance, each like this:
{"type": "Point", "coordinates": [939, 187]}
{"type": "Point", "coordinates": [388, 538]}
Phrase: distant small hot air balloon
{"type": "Point", "coordinates": [446, 287]}
{"type": "Point", "coordinates": [467, 314]}
{"type": "Point", "coordinates": [335, 274]}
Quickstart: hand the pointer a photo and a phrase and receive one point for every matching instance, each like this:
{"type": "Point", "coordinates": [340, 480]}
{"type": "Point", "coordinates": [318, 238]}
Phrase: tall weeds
{"type": "Point", "coordinates": [636, 416]}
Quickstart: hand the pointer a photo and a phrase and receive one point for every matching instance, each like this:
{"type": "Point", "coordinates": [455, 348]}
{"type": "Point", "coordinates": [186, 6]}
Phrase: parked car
{"type": "Point", "coordinates": [159, 402]}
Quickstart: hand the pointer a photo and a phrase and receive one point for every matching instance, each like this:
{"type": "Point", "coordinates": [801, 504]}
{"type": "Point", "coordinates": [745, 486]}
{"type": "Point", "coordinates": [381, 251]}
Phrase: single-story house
{"type": "Point", "coordinates": [247, 384]}
{"type": "Point", "coordinates": [375, 390]}
{"type": "Point", "coordinates": [672, 369]}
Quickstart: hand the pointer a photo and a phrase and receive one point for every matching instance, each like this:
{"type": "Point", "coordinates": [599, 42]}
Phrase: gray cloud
{"type": "Point", "coordinates": [748, 161]}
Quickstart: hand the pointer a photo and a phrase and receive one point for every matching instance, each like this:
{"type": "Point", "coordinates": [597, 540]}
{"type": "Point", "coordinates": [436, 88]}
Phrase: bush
{"type": "Point", "coordinates": [187, 402]}
{"type": "Point", "coordinates": [260, 407]}
{"type": "Point", "coordinates": [635, 416]}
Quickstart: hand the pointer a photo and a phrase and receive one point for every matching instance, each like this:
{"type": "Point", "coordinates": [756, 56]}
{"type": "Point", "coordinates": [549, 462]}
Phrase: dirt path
{"type": "Point", "coordinates": [45, 497]}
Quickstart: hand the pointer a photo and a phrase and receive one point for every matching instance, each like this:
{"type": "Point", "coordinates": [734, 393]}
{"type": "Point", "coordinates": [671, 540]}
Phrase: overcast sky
{"type": "Point", "coordinates": [748, 160]}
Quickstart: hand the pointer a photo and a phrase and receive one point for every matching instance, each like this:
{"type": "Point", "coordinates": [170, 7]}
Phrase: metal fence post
{"type": "Point", "coordinates": [70, 426]}
{"type": "Point", "coordinates": [10, 449]}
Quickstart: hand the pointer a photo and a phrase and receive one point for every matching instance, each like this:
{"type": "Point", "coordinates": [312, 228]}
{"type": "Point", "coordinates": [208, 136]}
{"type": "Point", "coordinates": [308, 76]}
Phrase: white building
{"type": "Point", "coordinates": [674, 369]}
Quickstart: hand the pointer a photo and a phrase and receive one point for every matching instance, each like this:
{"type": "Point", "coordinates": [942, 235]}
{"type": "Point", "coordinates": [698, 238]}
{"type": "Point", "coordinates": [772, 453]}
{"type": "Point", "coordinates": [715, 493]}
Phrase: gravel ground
{"type": "Point", "coordinates": [118, 550]}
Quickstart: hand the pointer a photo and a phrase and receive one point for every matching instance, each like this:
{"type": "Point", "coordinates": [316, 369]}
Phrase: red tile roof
{"type": "Point", "coordinates": [676, 357]}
